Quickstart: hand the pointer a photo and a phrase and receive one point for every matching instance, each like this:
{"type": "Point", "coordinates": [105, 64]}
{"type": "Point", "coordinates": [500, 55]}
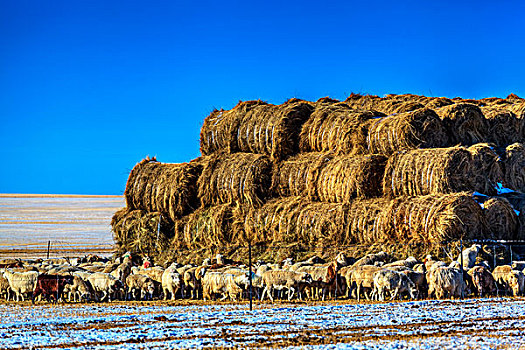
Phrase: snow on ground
{"type": "Point", "coordinates": [474, 323]}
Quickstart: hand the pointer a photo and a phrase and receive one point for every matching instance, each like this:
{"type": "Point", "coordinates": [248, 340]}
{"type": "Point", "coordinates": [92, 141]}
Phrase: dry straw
{"type": "Point", "coordinates": [514, 165]}
{"type": "Point", "coordinates": [140, 232]}
{"type": "Point", "coordinates": [256, 127]}
{"type": "Point", "coordinates": [502, 221]}
{"type": "Point", "coordinates": [336, 127]}
{"type": "Point", "coordinates": [486, 170]}
{"type": "Point", "coordinates": [298, 176]}
{"type": "Point", "coordinates": [239, 177]}
{"type": "Point", "coordinates": [347, 177]}
{"type": "Point", "coordinates": [418, 129]}
{"type": "Point", "coordinates": [295, 220]}
{"type": "Point", "coordinates": [428, 171]}
{"type": "Point", "coordinates": [464, 123]}
{"type": "Point", "coordinates": [504, 127]}
{"type": "Point", "coordinates": [163, 187]}
{"type": "Point", "coordinates": [219, 131]}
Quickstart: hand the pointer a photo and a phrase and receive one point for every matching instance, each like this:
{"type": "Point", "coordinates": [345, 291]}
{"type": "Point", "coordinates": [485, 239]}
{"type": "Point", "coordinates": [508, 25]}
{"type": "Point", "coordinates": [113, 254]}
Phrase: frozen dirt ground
{"type": "Point", "coordinates": [494, 323]}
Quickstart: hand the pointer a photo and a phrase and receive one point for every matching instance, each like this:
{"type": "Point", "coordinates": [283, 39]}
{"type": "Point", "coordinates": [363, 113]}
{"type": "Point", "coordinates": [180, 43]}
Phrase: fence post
{"type": "Point", "coordinates": [461, 263]}
{"type": "Point", "coordinates": [250, 269]}
{"type": "Point", "coordinates": [48, 244]}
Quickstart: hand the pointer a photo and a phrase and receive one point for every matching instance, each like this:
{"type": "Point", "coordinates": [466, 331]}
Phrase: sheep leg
{"type": "Point", "coordinates": [290, 296]}
{"type": "Point", "coordinates": [395, 294]}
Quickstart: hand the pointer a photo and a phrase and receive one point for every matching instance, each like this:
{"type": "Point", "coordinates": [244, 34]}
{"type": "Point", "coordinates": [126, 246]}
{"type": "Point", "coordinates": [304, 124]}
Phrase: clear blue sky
{"type": "Point", "coordinates": [88, 88]}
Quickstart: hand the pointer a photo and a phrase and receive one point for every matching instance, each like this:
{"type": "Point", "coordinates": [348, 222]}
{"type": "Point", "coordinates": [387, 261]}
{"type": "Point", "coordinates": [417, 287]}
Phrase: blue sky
{"type": "Point", "coordinates": [88, 88]}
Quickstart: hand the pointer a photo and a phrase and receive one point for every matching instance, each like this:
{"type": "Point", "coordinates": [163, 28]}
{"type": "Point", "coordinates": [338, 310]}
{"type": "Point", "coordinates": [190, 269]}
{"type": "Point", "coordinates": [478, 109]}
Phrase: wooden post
{"type": "Point", "coordinates": [250, 269]}
{"type": "Point", "coordinates": [48, 244]}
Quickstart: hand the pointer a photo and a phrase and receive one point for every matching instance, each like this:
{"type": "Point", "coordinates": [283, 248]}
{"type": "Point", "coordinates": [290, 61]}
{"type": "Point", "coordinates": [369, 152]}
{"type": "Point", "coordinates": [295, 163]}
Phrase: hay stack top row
{"type": "Point", "coordinates": [362, 124]}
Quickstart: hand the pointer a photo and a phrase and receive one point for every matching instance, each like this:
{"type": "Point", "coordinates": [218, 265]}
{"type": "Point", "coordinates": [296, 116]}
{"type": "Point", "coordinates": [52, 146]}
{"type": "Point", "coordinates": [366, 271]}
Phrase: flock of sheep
{"type": "Point", "coordinates": [313, 279]}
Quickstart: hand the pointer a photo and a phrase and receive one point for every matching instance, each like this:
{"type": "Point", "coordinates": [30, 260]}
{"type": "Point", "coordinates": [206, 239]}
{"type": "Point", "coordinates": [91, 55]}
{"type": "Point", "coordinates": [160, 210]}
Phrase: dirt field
{"type": "Point", "coordinates": [71, 223]}
{"type": "Point", "coordinates": [470, 324]}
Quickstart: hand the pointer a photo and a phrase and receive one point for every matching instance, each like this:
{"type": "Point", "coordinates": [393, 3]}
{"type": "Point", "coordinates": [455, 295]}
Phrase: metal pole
{"type": "Point", "coordinates": [461, 266]}
{"type": "Point", "coordinates": [494, 254]}
{"type": "Point", "coordinates": [250, 268]}
{"type": "Point", "coordinates": [510, 247]}
{"type": "Point", "coordinates": [48, 244]}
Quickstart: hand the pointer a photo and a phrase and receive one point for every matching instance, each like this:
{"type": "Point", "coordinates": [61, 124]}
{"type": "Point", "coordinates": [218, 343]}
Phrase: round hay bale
{"type": "Point", "coordinates": [141, 232]}
{"type": "Point", "coordinates": [514, 167]}
{"type": "Point", "coordinates": [346, 177]}
{"type": "Point", "coordinates": [235, 178]}
{"type": "Point", "coordinates": [421, 128]}
{"type": "Point", "coordinates": [518, 108]}
{"type": "Point", "coordinates": [220, 128]}
{"type": "Point", "coordinates": [164, 187]}
{"type": "Point", "coordinates": [368, 220]}
{"type": "Point", "coordinates": [336, 128]}
{"type": "Point", "coordinates": [486, 169]}
{"type": "Point", "coordinates": [273, 130]}
{"type": "Point", "coordinates": [502, 220]}
{"type": "Point", "coordinates": [434, 219]}
{"type": "Point", "coordinates": [464, 123]}
{"type": "Point", "coordinates": [298, 175]}
{"type": "Point", "coordinates": [504, 127]}
{"type": "Point", "coordinates": [362, 102]}
{"type": "Point", "coordinates": [428, 171]}
{"type": "Point", "coordinates": [294, 220]}
{"type": "Point", "coordinates": [391, 106]}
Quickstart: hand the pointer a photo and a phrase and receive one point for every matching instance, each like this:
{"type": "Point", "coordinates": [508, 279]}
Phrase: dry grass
{"type": "Point", "coordinates": [464, 123]}
{"type": "Point", "coordinates": [504, 127]}
{"type": "Point", "coordinates": [502, 221]}
{"type": "Point", "coordinates": [336, 127]}
{"type": "Point", "coordinates": [162, 187]}
{"type": "Point", "coordinates": [514, 165]}
{"type": "Point", "coordinates": [235, 178]}
{"type": "Point", "coordinates": [428, 171]}
{"type": "Point", "coordinates": [418, 129]}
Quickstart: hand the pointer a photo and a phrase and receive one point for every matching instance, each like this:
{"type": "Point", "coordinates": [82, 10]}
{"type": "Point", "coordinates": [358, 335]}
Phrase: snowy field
{"type": "Point", "coordinates": [471, 324]}
{"type": "Point", "coordinates": [70, 223]}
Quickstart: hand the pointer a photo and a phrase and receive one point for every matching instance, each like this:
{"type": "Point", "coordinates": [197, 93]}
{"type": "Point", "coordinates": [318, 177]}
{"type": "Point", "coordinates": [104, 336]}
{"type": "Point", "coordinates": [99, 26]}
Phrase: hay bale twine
{"type": "Point", "coordinates": [273, 130]}
{"type": "Point", "coordinates": [141, 232]}
{"type": "Point", "coordinates": [421, 128]}
{"type": "Point", "coordinates": [428, 171]}
{"type": "Point", "coordinates": [298, 175]}
{"type": "Point", "coordinates": [486, 168]}
{"type": "Point", "coordinates": [346, 177]}
{"type": "Point", "coordinates": [294, 220]}
{"type": "Point", "coordinates": [235, 178]}
{"type": "Point", "coordinates": [163, 187]}
{"type": "Point", "coordinates": [504, 127]}
{"type": "Point", "coordinates": [502, 220]}
{"type": "Point", "coordinates": [464, 123]}
{"type": "Point", "coordinates": [220, 128]}
{"type": "Point", "coordinates": [336, 128]}
{"type": "Point", "coordinates": [514, 167]}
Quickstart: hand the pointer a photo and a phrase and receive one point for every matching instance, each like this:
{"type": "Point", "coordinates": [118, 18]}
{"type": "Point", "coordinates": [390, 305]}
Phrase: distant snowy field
{"type": "Point", "coordinates": [470, 324]}
{"type": "Point", "coordinates": [70, 223]}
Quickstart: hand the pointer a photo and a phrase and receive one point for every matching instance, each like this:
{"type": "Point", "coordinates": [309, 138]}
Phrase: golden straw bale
{"type": "Point", "coordinates": [428, 171]}
{"type": "Point", "coordinates": [298, 175]}
{"type": "Point", "coordinates": [141, 232]}
{"type": "Point", "coordinates": [464, 123]}
{"type": "Point", "coordinates": [346, 177]}
{"type": "Point", "coordinates": [295, 220]}
{"type": "Point", "coordinates": [335, 128]}
{"type": "Point", "coordinates": [421, 128]}
{"type": "Point", "coordinates": [514, 167]}
{"type": "Point", "coordinates": [238, 177]}
{"type": "Point", "coordinates": [502, 220]}
{"type": "Point", "coordinates": [164, 187]}
{"type": "Point", "coordinates": [220, 128]}
{"type": "Point", "coordinates": [486, 170]}
{"type": "Point", "coordinates": [437, 102]}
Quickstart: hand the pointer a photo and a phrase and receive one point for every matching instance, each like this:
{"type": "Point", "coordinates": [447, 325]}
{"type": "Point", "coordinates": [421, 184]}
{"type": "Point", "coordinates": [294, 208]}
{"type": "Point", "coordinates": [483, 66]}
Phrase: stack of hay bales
{"type": "Point", "coordinates": [397, 170]}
